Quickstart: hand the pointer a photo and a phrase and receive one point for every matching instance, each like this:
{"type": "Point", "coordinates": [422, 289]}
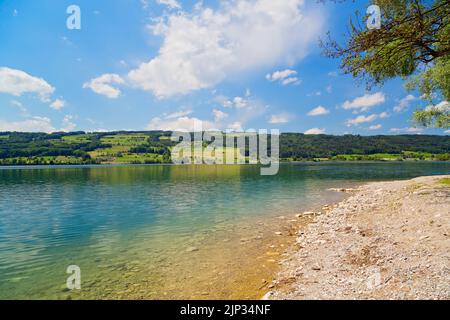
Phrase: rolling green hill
{"type": "Point", "coordinates": [155, 147]}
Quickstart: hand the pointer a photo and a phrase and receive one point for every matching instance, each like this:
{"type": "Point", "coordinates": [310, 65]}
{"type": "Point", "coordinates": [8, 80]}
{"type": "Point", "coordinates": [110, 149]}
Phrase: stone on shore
{"type": "Point", "coordinates": [388, 240]}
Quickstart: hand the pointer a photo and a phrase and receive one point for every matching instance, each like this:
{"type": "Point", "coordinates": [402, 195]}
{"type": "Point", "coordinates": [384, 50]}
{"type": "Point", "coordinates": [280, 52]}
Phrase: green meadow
{"type": "Point", "coordinates": [156, 147]}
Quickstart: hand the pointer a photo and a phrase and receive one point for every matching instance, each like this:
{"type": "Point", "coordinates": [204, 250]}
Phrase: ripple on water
{"type": "Point", "coordinates": [130, 228]}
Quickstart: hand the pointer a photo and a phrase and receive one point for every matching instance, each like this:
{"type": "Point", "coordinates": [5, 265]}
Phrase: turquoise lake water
{"type": "Point", "coordinates": [156, 232]}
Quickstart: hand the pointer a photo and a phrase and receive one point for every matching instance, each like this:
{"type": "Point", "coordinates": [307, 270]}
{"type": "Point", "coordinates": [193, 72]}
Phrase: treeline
{"type": "Point", "coordinates": [81, 147]}
{"type": "Point", "coordinates": [300, 146]}
{"type": "Point", "coordinates": [13, 145]}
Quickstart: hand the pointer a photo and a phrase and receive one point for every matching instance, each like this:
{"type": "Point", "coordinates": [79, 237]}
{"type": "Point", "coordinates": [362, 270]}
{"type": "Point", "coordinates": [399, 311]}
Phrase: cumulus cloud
{"type": "Point", "coordinates": [364, 103]}
{"type": "Point", "coordinates": [224, 101]}
{"type": "Point", "coordinates": [202, 48]}
{"type": "Point", "coordinates": [361, 119]}
{"type": "Point", "coordinates": [442, 106]}
{"type": "Point", "coordinates": [407, 130]}
{"type": "Point", "coordinates": [183, 124]}
{"type": "Point", "coordinates": [34, 124]}
{"type": "Point", "coordinates": [37, 124]}
{"type": "Point", "coordinates": [288, 81]}
{"type": "Point", "coordinates": [58, 104]}
{"type": "Point", "coordinates": [177, 114]}
{"type": "Point", "coordinates": [364, 119]}
{"type": "Point", "coordinates": [285, 77]}
{"type": "Point", "coordinates": [219, 115]}
{"type": "Point", "coordinates": [383, 115]}
{"type": "Point", "coordinates": [319, 111]}
{"type": "Point", "coordinates": [68, 124]}
{"type": "Point", "coordinates": [236, 102]}
{"type": "Point", "coordinates": [404, 103]}
{"type": "Point", "coordinates": [102, 85]}
{"type": "Point", "coordinates": [182, 121]}
{"type": "Point", "coordinates": [240, 102]}
{"type": "Point", "coordinates": [236, 126]}
{"type": "Point", "coordinates": [375, 127]}
{"type": "Point", "coordinates": [315, 131]}
{"type": "Point", "coordinates": [17, 82]}
{"type": "Point", "coordinates": [172, 4]}
{"type": "Point", "coordinates": [279, 118]}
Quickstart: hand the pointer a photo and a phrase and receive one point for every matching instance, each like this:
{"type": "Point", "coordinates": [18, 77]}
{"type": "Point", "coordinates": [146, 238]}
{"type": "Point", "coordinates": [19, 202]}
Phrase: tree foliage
{"type": "Point", "coordinates": [413, 43]}
{"type": "Point", "coordinates": [88, 148]}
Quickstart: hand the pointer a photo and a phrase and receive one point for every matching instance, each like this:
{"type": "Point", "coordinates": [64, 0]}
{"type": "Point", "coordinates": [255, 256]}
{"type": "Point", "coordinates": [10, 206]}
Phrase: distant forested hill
{"type": "Point", "coordinates": [326, 146]}
{"type": "Point", "coordinates": [155, 146]}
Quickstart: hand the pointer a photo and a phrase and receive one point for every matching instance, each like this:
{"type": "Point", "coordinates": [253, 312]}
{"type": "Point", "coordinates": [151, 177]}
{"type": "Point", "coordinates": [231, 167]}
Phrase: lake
{"type": "Point", "coordinates": [161, 231]}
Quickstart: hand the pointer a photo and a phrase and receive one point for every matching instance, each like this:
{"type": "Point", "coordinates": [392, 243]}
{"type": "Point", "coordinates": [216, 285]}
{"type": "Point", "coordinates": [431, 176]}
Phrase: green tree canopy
{"type": "Point", "coordinates": [413, 43]}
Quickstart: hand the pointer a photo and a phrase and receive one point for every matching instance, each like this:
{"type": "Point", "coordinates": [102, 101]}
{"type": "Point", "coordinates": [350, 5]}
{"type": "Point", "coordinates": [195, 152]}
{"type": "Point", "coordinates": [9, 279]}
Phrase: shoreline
{"type": "Point", "coordinates": [387, 240]}
{"type": "Point", "coordinates": [106, 165]}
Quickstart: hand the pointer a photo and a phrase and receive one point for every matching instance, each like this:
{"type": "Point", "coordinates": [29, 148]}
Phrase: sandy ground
{"type": "Point", "coordinates": [388, 240]}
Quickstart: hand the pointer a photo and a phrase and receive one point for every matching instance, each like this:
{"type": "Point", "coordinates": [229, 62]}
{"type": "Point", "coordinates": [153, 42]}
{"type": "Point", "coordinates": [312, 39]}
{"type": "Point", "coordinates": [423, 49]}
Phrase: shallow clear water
{"type": "Point", "coordinates": [129, 228]}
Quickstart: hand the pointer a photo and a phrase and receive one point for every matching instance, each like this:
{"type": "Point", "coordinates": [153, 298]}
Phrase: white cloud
{"type": "Point", "coordinates": [224, 101]}
{"type": "Point", "coordinates": [280, 75]}
{"type": "Point", "coordinates": [240, 102]}
{"type": "Point", "coordinates": [333, 74]}
{"type": "Point", "coordinates": [329, 89]}
{"type": "Point", "coordinates": [361, 119]}
{"type": "Point", "coordinates": [58, 104]}
{"type": "Point", "coordinates": [177, 114]}
{"type": "Point", "coordinates": [17, 82]}
{"type": "Point", "coordinates": [279, 118]}
{"type": "Point", "coordinates": [288, 81]}
{"type": "Point", "coordinates": [34, 124]}
{"type": "Point", "coordinates": [285, 77]}
{"type": "Point", "coordinates": [315, 131]}
{"type": "Point", "coordinates": [319, 111]}
{"type": "Point", "coordinates": [407, 130]}
{"type": "Point", "coordinates": [202, 48]}
{"type": "Point", "coordinates": [172, 4]}
{"type": "Point", "coordinates": [236, 126]}
{"type": "Point", "coordinates": [375, 127]}
{"type": "Point", "coordinates": [236, 102]}
{"type": "Point", "coordinates": [102, 85]}
{"type": "Point", "coordinates": [180, 124]}
{"type": "Point", "coordinates": [442, 106]}
{"type": "Point", "coordinates": [364, 119]}
{"type": "Point", "coordinates": [68, 124]}
{"type": "Point", "coordinates": [383, 115]}
{"type": "Point", "coordinates": [447, 131]}
{"type": "Point", "coordinates": [37, 124]}
{"type": "Point", "coordinates": [404, 103]}
{"type": "Point", "coordinates": [365, 102]}
{"type": "Point", "coordinates": [219, 115]}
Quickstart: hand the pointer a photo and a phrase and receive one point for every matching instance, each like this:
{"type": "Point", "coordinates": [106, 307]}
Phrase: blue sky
{"type": "Point", "coordinates": [166, 64]}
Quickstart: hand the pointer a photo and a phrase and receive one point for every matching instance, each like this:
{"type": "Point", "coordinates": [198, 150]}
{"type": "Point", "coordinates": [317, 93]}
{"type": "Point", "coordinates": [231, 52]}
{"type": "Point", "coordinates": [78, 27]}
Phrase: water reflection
{"type": "Point", "coordinates": [128, 227]}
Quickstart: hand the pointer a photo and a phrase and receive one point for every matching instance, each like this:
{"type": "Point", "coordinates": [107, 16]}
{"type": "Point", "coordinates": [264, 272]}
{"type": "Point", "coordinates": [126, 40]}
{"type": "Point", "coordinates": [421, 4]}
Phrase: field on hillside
{"type": "Point", "coordinates": [156, 147]}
